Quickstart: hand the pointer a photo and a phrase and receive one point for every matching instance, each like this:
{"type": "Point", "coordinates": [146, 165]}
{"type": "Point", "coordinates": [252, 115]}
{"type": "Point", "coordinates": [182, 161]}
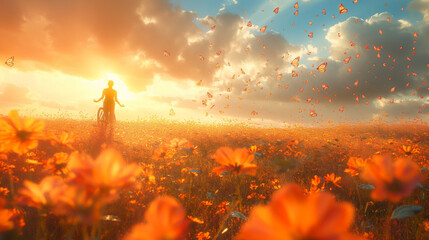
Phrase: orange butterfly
{"type": "Point", "coordinates": [295, 62]}
{"type": "Point", "coordinates": [294, 74]}
{"type": "Point", "coordinates": [296, 12]}
{"type": "Point", "coordinates": [209, 95]}
{"type": "Point", "coordinates": [296, 5]}
{"type": "Point", "coordinates": [324, 86]}
{"type": "Point", "coordinates": [310, 35]}
{"type": "Point", "coordinates": [9, 62]}
{"type": "Point", "coordinates": [322, 67]}
{"type": "Point", "coordinates": [276, 10]}
{"type": "Point", "coordinates": [166, 53]}
{"type": "Point", "coordinates": [341, 109]}
{"type": "Point", "coordinates": [347, 60]}
{"type": "Point", "coordinates": [249, 24]}
{"type": "Point", "coordinates": [342, 9]}
{"type": "Point", "coordinates": [262, 30]}
{"type": "Point", "coordinates": [313, 113]}
{"type": "Point", "coordinates": [324, 12]}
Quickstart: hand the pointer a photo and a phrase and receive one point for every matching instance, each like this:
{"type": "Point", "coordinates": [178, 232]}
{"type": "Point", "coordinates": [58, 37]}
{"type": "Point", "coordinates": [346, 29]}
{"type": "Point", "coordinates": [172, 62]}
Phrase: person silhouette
{"type": "Point", "coordinates": [110, 97]}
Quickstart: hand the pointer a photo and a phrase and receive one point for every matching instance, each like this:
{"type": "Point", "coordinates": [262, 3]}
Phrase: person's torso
{"type": "Point", "coordinates": [109, 95]}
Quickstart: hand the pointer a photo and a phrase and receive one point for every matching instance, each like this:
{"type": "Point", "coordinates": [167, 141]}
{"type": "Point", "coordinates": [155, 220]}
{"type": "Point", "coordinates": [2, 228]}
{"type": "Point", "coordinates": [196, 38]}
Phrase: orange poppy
{"type": "Point", "coordinates": [291, 215]}
{"type": "Point", "coordinates": [392, 180]}
{"type": "Point", "coordinates": [164, 219]}
{"type": "Point", "coordinates": [237, 161]}
{"type": "Point", "coordinates": [19, 135]}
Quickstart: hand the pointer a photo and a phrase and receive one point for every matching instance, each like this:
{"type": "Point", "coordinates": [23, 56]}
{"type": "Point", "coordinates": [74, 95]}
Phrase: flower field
{"type": "Point", "coordinates": [69, 179]}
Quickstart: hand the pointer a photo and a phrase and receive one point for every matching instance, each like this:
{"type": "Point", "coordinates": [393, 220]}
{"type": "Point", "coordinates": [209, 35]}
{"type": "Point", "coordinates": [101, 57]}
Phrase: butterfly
{"type": "Point", "coordinates": [341, 109]}
{"type": "Point", "coordinates": [324, 86]}
{"type": "Point", "coordinates": [322, 67]}
{"type": "Point", "coordinates": [342, 9]}
{"type": "Point", "coordinates": [249, 24]}
{"type": "Point", "coordinates": [296, 5]}
{"type": "Point", "coordinates": [347, 60]}
{"type": "Point", "coordinates": [262, 30]}
{"type": "Point", "coordinates": [9, 62]}
{"type": "Point", "coordinates": [209, 95]}
{"type": "Point", "coordinates": [295, 62]}
{"type": "Point", "coordinates": [172, 113]}
{"type": "Point", "coordinates": [294, 74]}
{"type": "Point", "coordinates": [276, 10]}
{"type": "Point", "coordinates": [313, 113]}
{"type": "Point", "coordinates": [166, 53]}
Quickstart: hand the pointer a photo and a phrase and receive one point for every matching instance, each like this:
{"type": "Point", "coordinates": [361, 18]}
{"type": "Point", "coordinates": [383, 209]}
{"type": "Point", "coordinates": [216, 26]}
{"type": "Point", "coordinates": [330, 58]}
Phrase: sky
{"type": "Point", "coordinates": [213, 61]}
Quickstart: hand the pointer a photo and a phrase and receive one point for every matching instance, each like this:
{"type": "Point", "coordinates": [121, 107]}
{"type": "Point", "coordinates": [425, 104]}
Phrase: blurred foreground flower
{"type": "Point", "coordinates": [19, 135]}
{"type": "Point", "coordinates": [109, 172]}
{"type": "Point", "coordinates": [164, 219]}
{"type": "Point", "coordinates": [9, 218]}
{"type": "Point", "coordinates": [293, 216]}
{"type": "Point", "coordinates": [237, 161]}
{"type": "Point", "coordinates": [42, 195]}
{"type": "Point", "coordinates": [392, 180]}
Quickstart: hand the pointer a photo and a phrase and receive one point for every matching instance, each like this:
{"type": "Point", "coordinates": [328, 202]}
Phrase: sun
{"type": "Point", "coordinates": [119, 86]}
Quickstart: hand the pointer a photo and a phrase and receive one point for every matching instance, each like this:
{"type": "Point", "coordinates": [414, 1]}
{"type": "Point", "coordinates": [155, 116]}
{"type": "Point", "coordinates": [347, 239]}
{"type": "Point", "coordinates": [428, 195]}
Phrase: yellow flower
{"type": "Point", "coordinates": [19, 135]}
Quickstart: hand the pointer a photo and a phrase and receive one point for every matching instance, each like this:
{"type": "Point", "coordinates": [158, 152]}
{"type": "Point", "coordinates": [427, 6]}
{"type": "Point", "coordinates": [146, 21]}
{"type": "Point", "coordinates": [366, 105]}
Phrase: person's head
{"type": "Point", "coordinates": [110, 83]}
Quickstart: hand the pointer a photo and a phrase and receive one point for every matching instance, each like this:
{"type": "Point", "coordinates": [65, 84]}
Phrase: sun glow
{"type": "Point", "coordinates": [123, 93]}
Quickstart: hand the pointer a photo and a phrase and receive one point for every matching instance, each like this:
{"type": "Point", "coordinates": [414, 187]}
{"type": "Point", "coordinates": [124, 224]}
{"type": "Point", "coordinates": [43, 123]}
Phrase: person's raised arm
{"type": "Point", "coordinates": [116, 100]}
{"type": "Point", "coordinates": [102, 96]}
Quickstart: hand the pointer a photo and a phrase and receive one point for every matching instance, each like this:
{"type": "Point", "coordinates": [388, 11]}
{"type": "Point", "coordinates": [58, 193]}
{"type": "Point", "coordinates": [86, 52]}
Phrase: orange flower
{"type": "Point", "coordinates": [165, 219]}
{"type": "Point", "coordinates": [237, 161]}
{"type": "Point", "coordinates": [392, 180]}
{"type": "Point", "coordinates": [19, 135]}
{"type": "Point", "coordinates": [6, 222]}
{"type": "Point", "coordinates": [355, 165]}
{"type": "Point", "coordinates": [331, 178]}
{"type": "Point", "coordinates": [177, 143]}
{"type": "Point", "coordinates": [291, 215]}
{"type": "Point", "coordinates": [44, 194]}
{"type": "Point", "coordinates": [65, 139]}
{"type": "Point", "coordinates": [315, 185]}
{"type": "Point", "coordinates": [57, 164]}
{"type": "Point", "coordinates": [163, 152]}
{"type": "Point", "coordinates": [108, 171]}
{"type": "Point", "coordinates": [203, 235]}
{"type": "Point", "coordinates": [80, 203]}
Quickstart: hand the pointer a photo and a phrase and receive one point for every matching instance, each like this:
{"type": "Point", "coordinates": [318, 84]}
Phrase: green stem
{"type": "Point", "coordinates": [389, 225]}
{"type": "Point", "coordinates": [222, 226]}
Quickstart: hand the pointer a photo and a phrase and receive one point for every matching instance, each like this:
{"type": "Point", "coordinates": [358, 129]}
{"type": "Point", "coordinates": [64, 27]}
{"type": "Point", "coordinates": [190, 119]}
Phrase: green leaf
{"type": "Point", "coordinates": [405, 211]}
{"type": "Point", "coordinates": [366, 186]}
{"type": "Point", "coordinates": [238, 215]}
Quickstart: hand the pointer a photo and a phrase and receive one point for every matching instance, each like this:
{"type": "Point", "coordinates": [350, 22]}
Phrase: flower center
{"type": "Point", "coordinates": [395, 186]}
{"type": "Point", "coordinates": [23, 135]}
